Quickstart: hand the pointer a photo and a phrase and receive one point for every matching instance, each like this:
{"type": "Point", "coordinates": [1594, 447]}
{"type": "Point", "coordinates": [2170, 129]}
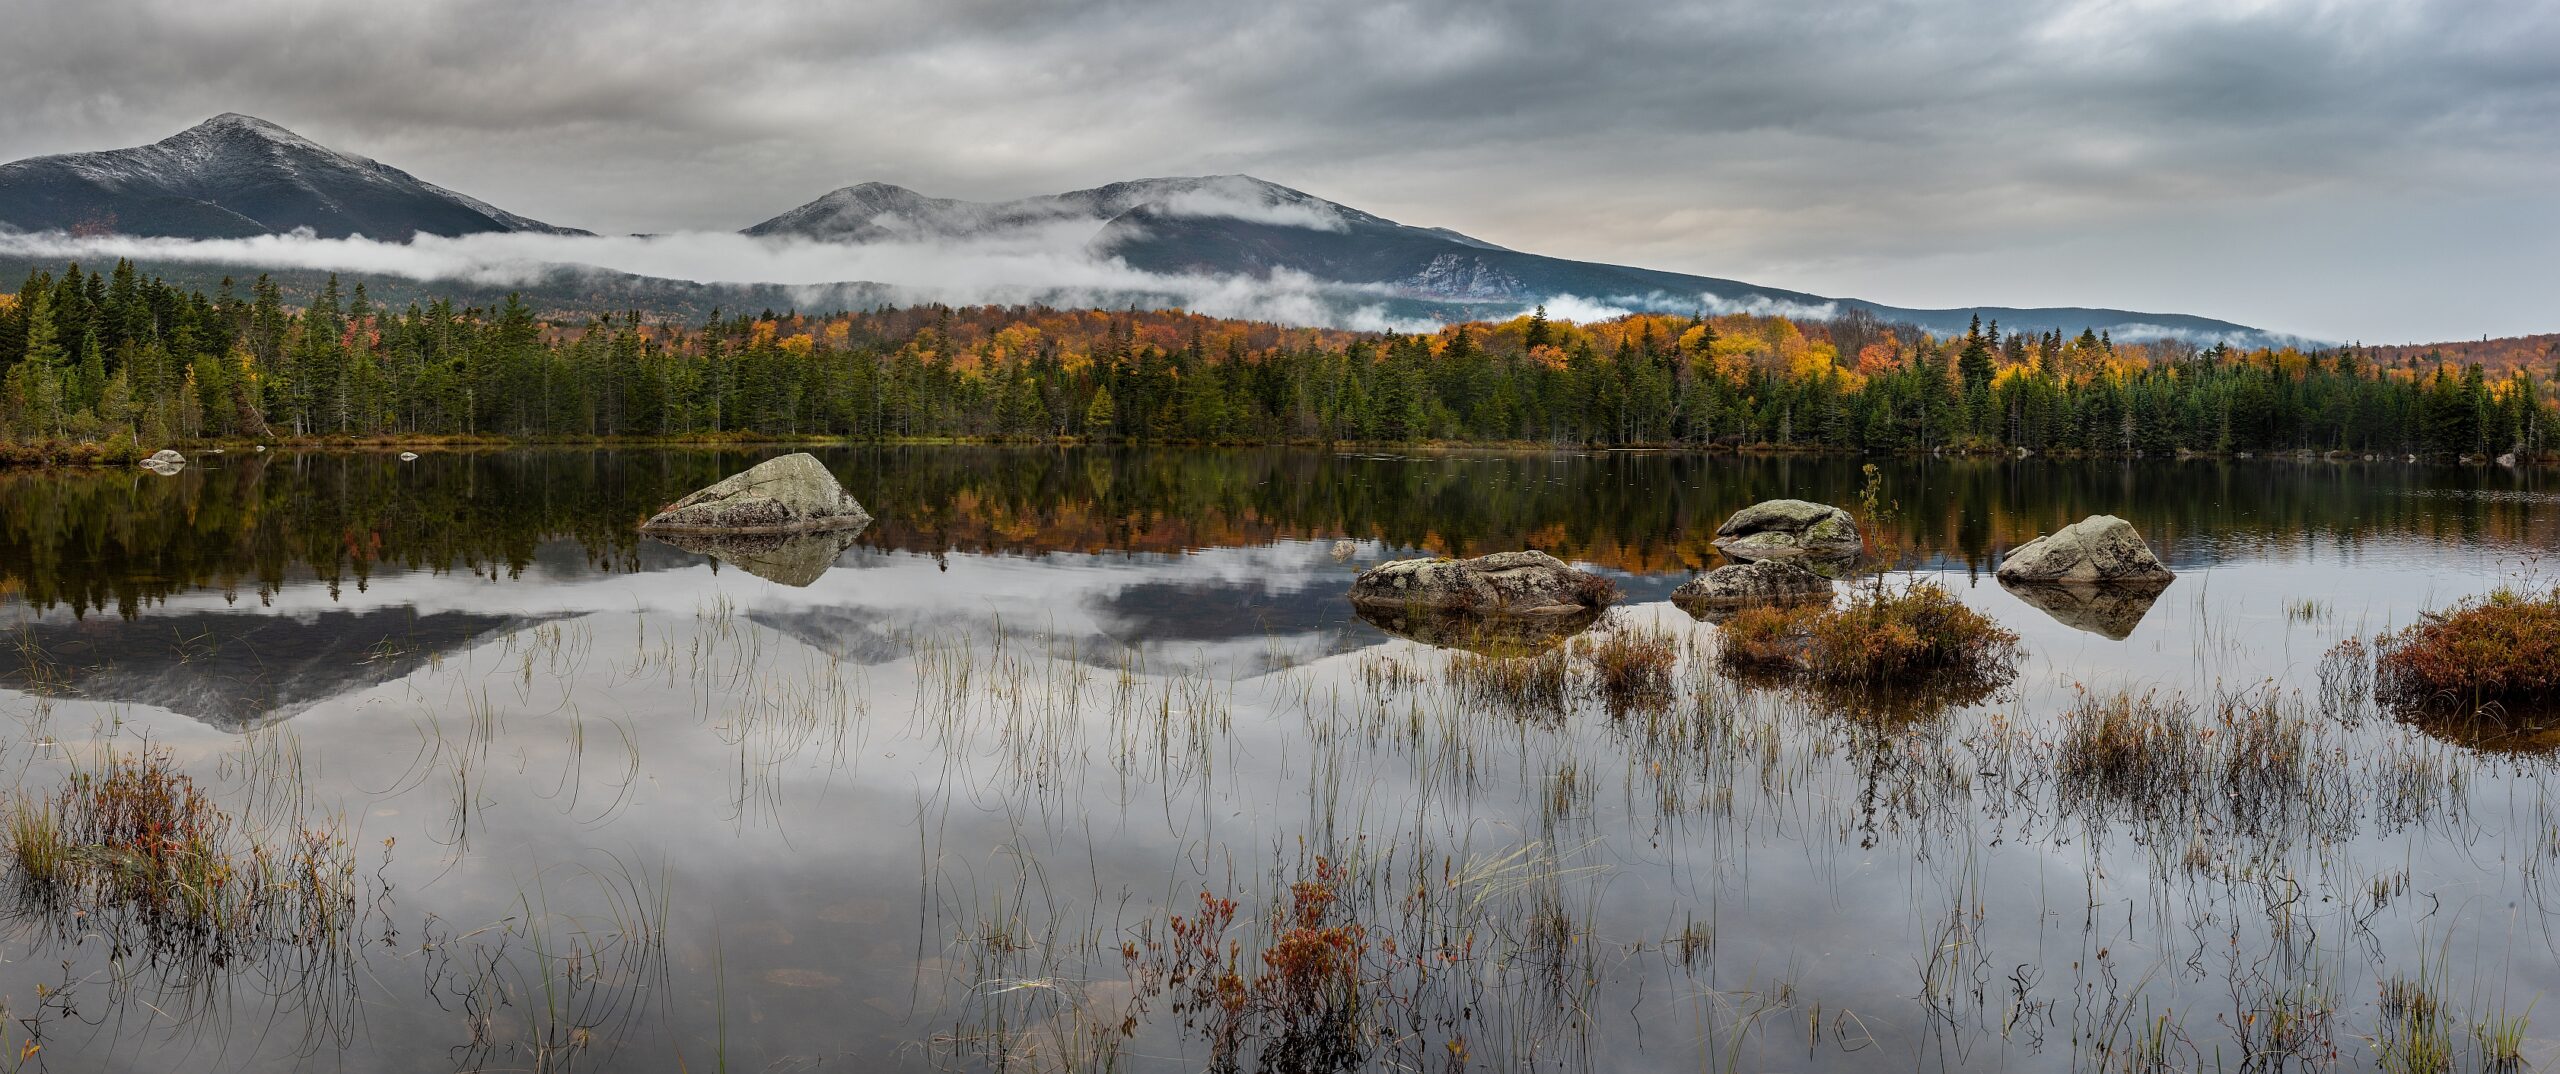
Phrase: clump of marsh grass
{"type": "Point", "coordinates": [2346, 680]}
{"type": "Point", "coordinates": [2499, 1039]}
{"type": "Point", "coordinates": [2417, 1031]}
{"type": "Point", "coordinates": [2129, 749]}
{"type": "Point", "coordinates": [1914, 648]}
{"type": "Point", "coordinates": [1631, 667]}
{"type": "Point", "coordinates": [2259, 764]}
{"type": "Point", "coordinates": [2500, 650]}
{"type": "Point", "coordinates": [136, 849]}
{"type": "Point", "coordinates": [1531, 687]}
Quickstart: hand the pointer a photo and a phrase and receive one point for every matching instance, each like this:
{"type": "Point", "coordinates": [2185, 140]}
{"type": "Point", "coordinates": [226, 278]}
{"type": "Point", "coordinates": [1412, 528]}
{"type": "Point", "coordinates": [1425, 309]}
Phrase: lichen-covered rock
{"type": "Point", "coordinates": [1768, 581]}
{"type": "Point", "coordinates": [1504, 583]}
{"type": "Point", "coordinates": [1779, 529]}
{"type": "Point", "coordinates": [2108, 610]}
{"type": "Point", "coordinates": [2097, 550]}
{"type": "Point", "coordinates": [792, 559]}
{"type": "Point", "coordinates": [1344, 549]}
{"type": "Point", "coordinates": [791, 494]}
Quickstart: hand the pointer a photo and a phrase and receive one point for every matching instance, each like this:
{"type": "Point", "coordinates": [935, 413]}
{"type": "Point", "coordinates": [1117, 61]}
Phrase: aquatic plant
{"type": "Point", "coordinates": [2129, 748]}
{"type": "Point", "coordinates": [137, 843]}
{"type": "Point", "coordinates": [1631, 666]}
{"type": "Point", "coordinates": [1527, 687]}
{"type": "Point", "coordinates": [1916, 642]}
{"type": "Point", "coordinates": [2502, 649]}
{"type": "Point", "coordinates": [2417, 1032]}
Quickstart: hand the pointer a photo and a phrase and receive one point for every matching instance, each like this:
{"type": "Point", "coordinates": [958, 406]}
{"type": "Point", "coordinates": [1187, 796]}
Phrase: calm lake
{"type": "Point", "coordinates": [930, 797]}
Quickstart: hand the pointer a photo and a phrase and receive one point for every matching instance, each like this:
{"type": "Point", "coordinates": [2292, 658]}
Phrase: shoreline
{"type": "Point", "coordinates": [42, 454]}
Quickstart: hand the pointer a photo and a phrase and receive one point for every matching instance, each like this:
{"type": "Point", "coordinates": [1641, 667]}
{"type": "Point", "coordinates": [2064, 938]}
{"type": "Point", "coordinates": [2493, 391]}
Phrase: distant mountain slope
{"type": "Point", "coordinates": [1237, 225]}
{"type": "Point", "coordinates": [234, 176]}
{"type": "Point", "coordinates": [882, 212]}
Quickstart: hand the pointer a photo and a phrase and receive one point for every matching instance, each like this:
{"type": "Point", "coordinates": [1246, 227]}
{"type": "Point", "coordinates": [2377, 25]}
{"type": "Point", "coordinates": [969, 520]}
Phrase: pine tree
{"type": "Point", "coordinates": [35, 383]}
{"type": "Point", "coordinates": [1101, 414]}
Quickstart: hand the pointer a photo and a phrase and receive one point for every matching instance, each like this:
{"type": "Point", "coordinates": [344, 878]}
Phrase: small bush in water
{"type": "Point", "coordinates": [2503, 649]}
{"type": "Point", "coordinates": [1877, 637]}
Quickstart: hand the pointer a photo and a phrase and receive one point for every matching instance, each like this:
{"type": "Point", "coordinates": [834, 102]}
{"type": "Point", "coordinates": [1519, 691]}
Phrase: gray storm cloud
{"type": "Point", "coordinates": [2348, 168]}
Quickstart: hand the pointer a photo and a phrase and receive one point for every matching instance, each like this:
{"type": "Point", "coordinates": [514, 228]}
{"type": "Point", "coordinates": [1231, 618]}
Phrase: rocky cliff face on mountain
{"type": "Point", "coordinates": [235, 176]}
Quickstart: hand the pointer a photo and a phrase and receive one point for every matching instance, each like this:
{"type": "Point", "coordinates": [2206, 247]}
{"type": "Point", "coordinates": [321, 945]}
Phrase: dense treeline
{"type": "Point", "coordinates": [114, 357]}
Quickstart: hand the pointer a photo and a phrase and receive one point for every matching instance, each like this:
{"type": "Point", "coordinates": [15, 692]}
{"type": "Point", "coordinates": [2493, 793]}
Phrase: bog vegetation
{"type": "Point", "coordinates": [1880, 636]}
{"type": "Point", "coordinates": [116, 360]}
{"type": "Point", "coordinates": [2502, 649]}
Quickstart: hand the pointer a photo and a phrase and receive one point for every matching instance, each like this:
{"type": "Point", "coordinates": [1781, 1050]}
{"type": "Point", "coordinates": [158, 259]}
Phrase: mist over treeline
{"type": "Point", "coordinates": [125, 362]}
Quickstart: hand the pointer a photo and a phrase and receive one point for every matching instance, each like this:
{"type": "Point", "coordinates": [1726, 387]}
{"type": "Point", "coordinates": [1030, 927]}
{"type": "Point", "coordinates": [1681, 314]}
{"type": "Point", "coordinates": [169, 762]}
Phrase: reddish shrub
{"type": "Point", "coordinates": [2502, 649]}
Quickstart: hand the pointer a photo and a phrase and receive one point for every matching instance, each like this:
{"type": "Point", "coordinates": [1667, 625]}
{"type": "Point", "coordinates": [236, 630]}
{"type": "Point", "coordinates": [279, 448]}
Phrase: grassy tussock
{"type": "Point", "coordinates": [1917, 640]}
{"type": "Point", "coordinates": [137, 843]}
{"type": "Point", "coordinates": [1631, 666]}
{"type": "Point", "coordinates": [2502, 649]}
{"type": "Point", "coordinates": [1521, 686]}
{"type": "Point", "coordinates": [2129, 748]}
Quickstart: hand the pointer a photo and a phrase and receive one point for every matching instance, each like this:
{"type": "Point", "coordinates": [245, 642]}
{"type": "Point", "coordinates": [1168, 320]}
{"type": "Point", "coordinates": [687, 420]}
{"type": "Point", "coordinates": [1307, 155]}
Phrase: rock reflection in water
{"type": "Point", "coordinates": [1494, 635]}
{"type": "Point", "coordinates": [792, 559]}
{"type": "Point", "coordinates": [2109, 611]}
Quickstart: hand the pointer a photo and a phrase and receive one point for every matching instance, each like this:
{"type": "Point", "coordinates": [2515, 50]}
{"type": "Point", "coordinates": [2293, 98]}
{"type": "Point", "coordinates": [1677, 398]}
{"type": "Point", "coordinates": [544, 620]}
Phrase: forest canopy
{"type": "Point", "coordinates": [113, 357]}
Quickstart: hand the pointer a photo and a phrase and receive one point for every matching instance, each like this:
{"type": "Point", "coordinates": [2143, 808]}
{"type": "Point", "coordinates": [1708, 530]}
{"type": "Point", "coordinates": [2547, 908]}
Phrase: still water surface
{"type": "Point", "coordinates": [899, 803]}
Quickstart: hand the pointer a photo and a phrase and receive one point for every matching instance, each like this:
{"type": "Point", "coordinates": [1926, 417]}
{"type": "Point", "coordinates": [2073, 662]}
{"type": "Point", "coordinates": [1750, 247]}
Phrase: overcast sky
{"type": "Point", "coordinates": [2381, 171]}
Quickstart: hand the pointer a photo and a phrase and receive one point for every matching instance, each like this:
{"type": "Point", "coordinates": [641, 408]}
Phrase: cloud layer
{"type": "Point", "coordinates": [2364, 168]}
{"type": "Point", "coordinates": [1030, 265]}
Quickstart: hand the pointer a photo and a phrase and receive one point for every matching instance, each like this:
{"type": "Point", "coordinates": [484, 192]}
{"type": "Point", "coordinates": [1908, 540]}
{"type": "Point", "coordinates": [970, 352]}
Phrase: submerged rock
{"type": "Point", "coordinates": [1486, 635]}
{"type": "Point", "coordinates": [792, 559]}
{"type": "Point", "coordinates": [2109, 611]}
{"type": "Point", "coordinates": [1777, 529]}
{"type": "Point", "coordinates": [1504, 583]}
{"type": "Point", "coordinates": [1769, 581]}
{"type": "Point", "coordinates": [791, 494]}
{"type": "Point", "coordinates": [2097, 550]}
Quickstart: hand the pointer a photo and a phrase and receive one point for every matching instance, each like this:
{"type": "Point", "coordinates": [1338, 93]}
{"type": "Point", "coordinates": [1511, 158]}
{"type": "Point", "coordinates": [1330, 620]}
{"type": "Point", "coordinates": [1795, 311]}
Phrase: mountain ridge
{"type": "Point", "coordinates": [236, 176]}
{"type": "Point", "coordinates": [1245, 226]}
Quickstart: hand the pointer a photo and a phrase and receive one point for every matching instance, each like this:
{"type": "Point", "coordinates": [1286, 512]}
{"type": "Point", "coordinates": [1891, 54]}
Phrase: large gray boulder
{"type": "Point", "coordinates": [1768, 581]}
{"type": "Point", "coordinates": [164, 462]}
{"type": "Point", "coordinates": [2097, 550]}
{"type": "Point", "coordinates": [791, 494]}
{"type": "Point", "coordinates": [1504, 583]}
{"type": "Point", "coordinates": [1781, 529]}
